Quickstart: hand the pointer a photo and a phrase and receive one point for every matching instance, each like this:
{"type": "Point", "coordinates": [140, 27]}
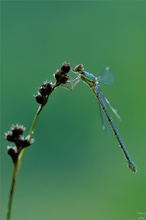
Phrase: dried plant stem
{"type": "Point", "coordinates": [14, 135]}
{"type": "Point", "coordinates": [18, 164]}
{"type": "Point", "coordinates": [14, 176]}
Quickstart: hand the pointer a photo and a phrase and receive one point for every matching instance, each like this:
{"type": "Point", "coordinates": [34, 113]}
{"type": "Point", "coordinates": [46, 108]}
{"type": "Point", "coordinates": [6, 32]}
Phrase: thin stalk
{"type": "Point", "coordinates": [18, 164]}
{"type": "Point", "coordinates": [12, 191]}
{"type": "Point", "coordinates": [62, 77]}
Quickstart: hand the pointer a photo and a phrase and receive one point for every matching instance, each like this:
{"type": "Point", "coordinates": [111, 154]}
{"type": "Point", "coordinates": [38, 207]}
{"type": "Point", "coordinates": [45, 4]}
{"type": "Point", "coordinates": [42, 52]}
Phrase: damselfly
{"type": "Point", "coordinates": [106, 78]}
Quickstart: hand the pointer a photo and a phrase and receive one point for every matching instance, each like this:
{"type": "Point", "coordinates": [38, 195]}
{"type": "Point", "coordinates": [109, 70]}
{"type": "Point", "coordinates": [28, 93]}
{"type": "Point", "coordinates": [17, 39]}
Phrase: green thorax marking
{"type": "Point", "coordinates": [88, 78]}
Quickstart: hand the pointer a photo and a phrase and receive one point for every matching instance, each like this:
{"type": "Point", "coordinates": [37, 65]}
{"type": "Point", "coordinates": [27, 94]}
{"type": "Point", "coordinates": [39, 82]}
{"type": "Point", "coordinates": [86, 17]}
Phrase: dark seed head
{"type": "Point", "coordinates": [49, 87]}
{"type": "Point", "coordinates": [64, 79]}
{"type": "Point", "coordinates": [9, 136]}
{"type": "Point", "coordinates": [65, 68]}
{"type": "Point", "coordinates": [17, 130]}
{"type": "Point", "coordinates": [41, 99]}
{"type": "Point", "coordinates": [12, 152]}
{"type": "Point", "coordinates": [46, 89]}
{"type": "Point", "coordinates": [61, 78]}
{"type": "Point", "coordinates": [24, 142]}
{"type": "Point", "coordinates": [43, 91]}
{"type": "Point", "coordinates": [57, 75]}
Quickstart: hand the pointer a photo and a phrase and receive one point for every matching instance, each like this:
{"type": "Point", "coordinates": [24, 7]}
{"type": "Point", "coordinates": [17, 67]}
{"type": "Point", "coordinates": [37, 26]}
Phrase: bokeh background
{"type": "Point", "coordinates": [73, 171]}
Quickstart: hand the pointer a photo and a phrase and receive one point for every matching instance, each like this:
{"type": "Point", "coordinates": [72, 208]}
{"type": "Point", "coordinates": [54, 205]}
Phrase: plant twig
{"type": "Point", "coordinates": [18, 164]}
{"type": "Point", "coordinates": [17, 152]}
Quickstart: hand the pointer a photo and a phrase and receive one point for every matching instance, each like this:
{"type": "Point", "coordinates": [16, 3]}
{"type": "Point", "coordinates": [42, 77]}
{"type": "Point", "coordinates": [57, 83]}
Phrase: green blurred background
{"type": "Point", "coordinates": [73, 171]}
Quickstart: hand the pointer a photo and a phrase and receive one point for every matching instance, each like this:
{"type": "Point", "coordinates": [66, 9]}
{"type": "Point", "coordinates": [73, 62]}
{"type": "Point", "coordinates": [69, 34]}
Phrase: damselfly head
{"type": "Point", "coordinates": [79, 68]}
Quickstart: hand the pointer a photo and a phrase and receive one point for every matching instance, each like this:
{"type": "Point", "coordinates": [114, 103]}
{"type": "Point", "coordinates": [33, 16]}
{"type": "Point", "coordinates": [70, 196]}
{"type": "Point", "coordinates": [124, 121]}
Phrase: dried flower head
{"type": "Point", "coordinates": [24, 142]}
{"type": "Point", "coordinates": [12, 151]}
{"type": "Point", "coordinates": [61, 77]}
{"type": "Point", "coordinates": [17, 129]}
{"type": "Point", "coordinates": [9, 136]}
{"type": "Point", "coordinates": [65, 68]}
{"type": "Point", "coordinates": [14, 134]}
{"type": "Point", "coordinates": [46, 88]}
{"type": "Point", "coordinates": [41, 99]}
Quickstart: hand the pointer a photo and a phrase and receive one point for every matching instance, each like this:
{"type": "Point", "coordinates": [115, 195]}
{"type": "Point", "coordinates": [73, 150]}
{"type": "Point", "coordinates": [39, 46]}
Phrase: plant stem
{"type": "Point", "coordinates": [35, 120]}
{"type": "Point", "coordinates": [18, 164]}
{"type": "Point", "coordinates": [30, 134]}
{"type": "Point", "coordinates": [12, 191]}
{"type": "Point", "coordinates": [61, 78]}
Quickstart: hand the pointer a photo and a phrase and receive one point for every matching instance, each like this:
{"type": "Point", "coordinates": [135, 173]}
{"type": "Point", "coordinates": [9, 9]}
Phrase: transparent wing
{"type": "Point", "coordinates": [106, 77]}
{"type": "Point", "coordinates": [104, 100]}
{"type": "Point", "coordinates": [105, 125]}
{"type": "Point", "coordinates": [109, 104]}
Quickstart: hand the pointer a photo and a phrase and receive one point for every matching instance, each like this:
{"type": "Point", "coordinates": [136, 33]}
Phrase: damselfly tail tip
{"type": "Point", "coordinates": [132, 167]}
